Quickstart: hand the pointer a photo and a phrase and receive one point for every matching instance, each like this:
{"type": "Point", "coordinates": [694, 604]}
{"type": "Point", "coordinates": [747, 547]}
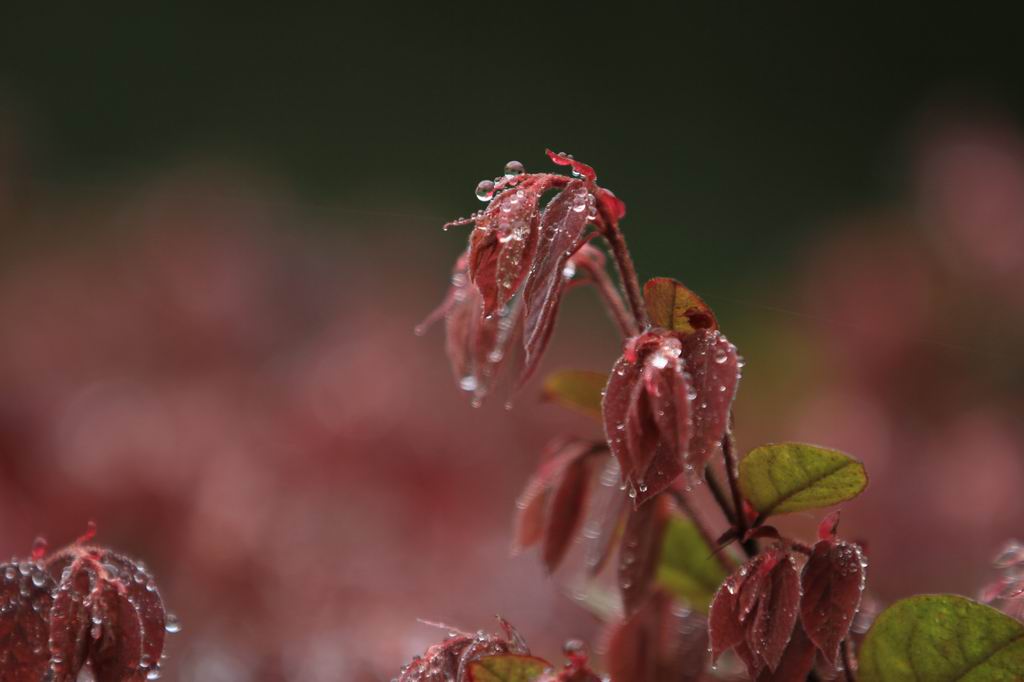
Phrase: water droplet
{"type": "Point", "coordinates": [485, 190]}
{"type": "Point", "coordinates": [172, 625]}
{"type": "Point", "coordinates": [569, 271]}
{"type": "Point", "coordinates": [514, 168]}
{"type": "Point", "coordinates": [468, 383]}
{"type": "Point", "coordinates": [721, 356]}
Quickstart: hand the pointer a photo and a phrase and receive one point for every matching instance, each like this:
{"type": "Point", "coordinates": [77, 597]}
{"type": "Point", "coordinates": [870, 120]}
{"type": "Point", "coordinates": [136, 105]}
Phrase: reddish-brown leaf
{"type": "Point", "coordinates": [561, 235]}
{"type": "Point", "coordinates": [640, 551]}
{"type": "Point", "coordinates": [578, 167]}
{"type": "Point", "coordinates": [770, 626]}
{"type": "Point", "coordinates": [646, 411]}
{"type": "Point", "coordinates": [25, 602]}
{"type": "Point", "coordinates": [567, 507]}
{"type": "Point", "coordinates": [833, 580]}
{"type": "Point", "coordinates": [619, 396]}
{"type": "Point", "coordinates": [725, 626]}
{"type": "Point", "coordinates": [553, 504]}
{"type": "Point", "coordinates": [714, 370]}
{"type": "Point", "coordinates": [755, 610]}
{"type": "Point", "coordinates": [661, 641]}
{"type": "Point", "coordinates": [503, 244]}
{"type": "Point", "coordinates": [609, 508]}
{"type": "Point", "coordinates": [796, 662]}
{"type": "Point", "coordinates": [108, 613]}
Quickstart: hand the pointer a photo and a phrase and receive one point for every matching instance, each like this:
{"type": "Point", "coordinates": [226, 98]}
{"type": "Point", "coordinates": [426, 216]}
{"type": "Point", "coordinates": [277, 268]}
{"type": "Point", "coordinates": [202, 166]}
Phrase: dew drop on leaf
{"type": "Point", "coordinates": [485, 190]}
{"type": "Point", "coordinates": [514, 168]}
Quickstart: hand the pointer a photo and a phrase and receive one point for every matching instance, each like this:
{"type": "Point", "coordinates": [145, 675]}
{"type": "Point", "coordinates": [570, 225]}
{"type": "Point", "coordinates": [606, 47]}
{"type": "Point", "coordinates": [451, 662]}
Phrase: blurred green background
{"type": "Point", "coordinates": [730, 130]}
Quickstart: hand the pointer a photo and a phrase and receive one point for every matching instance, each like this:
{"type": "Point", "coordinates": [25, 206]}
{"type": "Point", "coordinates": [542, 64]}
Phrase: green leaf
{"type": "Point", "coordinates": [507, 668]}
{"type": "Point", "coordinates": [789, 477]}
{"type": "Point", "coordinates": [941, 638]}
{"type": "Point", "coordinates": [577, 389]}
{"type": "Point", "coordinates": [672, 306]}
{"type": "Point", "coordinates": [686, 568]}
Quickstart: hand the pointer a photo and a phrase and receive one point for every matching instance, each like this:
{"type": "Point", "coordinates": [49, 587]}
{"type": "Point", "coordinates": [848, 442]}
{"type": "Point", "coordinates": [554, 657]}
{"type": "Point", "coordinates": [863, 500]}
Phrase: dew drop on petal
{"type": "Point", "coordinates": [172, 624]}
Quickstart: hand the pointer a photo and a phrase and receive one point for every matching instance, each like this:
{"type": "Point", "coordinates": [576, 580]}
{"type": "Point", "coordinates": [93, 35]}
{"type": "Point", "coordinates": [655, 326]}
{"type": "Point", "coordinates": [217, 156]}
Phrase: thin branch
{"type": "Point", "coordinates": [720, 496]}
{"type": "Point", "coordinates": [627, 272]}
{"type": "Point", "coordinates": [684, 504]}
{"type": "Point", "coordinates": [612, 298]}
{"type": "Point", "coordinates": [740, 519]}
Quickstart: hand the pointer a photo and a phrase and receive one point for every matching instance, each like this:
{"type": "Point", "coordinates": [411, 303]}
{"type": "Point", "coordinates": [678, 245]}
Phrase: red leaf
{"type": "Point", "coordinates": [771, 626]}
{"type": "Point", "coordinates": [107, 612]}
{"type": "Point", "coordinates": [661, 641]}
{"type": "Point", "coordinates": [578, 167]}
{"type": "Point", "coordinates": [610, 205]}
{"type": "Point", "coordinates": [551, 506]}
{"type": "Point", "coordinates": [25, 604]}
{"type": "Point", "coordinates": [477, 346]}
{"type": "Point", "coordinates": [755, 610]}
{"type": "Point", "coordinates": [505, 240]}
{"type": "Point", "coordinates": [833, 580]}
{"type": "Point", "coordinates": [567, 506]}
{"type": "Point", "coordinates": [714, 370]}
{"type": "Point", "coordinates": [561, 235]}
{"type": "Point", "coordinates": [828, 526]}
{"type": "Point", "coordinates": [647, 414]}
{"type": "Point", "coordinates": [610, 507]}
{"type": "Point", "coordinates": [640, 551]}
{"type": "Point", "coordinates": [796, 662]}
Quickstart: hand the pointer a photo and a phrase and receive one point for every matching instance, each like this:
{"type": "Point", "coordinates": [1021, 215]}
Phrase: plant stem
{"type": "Point", "coordinates": [627, 272]}
{"type": "Point", "coordinates": [720, 496]}
{"type": "Point", "coordinates": [611, 297]}
{"type": "Point", "coordinates": [740, 520]}
{"type": "Point", "coordinates": [684, 504]}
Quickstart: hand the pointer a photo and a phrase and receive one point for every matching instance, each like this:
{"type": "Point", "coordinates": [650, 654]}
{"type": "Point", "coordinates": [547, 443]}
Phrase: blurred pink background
{"type": "Point", "coordinates": [243, 405]}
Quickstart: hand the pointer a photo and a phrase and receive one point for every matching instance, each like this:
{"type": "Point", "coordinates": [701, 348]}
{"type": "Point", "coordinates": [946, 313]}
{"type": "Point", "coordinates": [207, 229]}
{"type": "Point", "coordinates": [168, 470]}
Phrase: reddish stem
{"type": "Point", "coordinates": [612, 298]}
{"type": "Point", "coordinates": [627, 272]}
{"type": "Point", "coordinates": [684, 504]}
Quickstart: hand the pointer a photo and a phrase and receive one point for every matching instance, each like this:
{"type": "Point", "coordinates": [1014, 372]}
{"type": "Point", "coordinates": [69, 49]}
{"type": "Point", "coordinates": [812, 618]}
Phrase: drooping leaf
{"type": "Point", "coordinates": [672, 306]}
{"type": "Point", "coordinates": [713, 366]}
{"type": "Point", "coordinates": [686, 566]}
{"type": "Point", "coordinates": [832, 580]}
{"type": "Point", "coordinates": [607, 509]}
{"type": "Point", "coordinates": [533, 508]}
{"type": "Point", "coordinates": [638, 554]}
{"type": "Point", "coordinates": [789, 477]}
{"type": "Point", "coordinates": [941, 638]}
{"type": "Point", "coordinates": [660, 642]}
{"type": "Point", "coordinates": [560, 236]}
{"type": "Point", "coordinates": [646, 412]}
{"type": "Point", "coordinates": [797, 660]}
{"type": "Point", "coordinates": [755, 610]}
{"type": "Point", "coordinates": [504, 242]}
{"type": "Point", "coordinates": [567, 507]}
{"type": "Point", "coordinates": [25, 602]}
{"type": "Point", "coordinates": [577, 389]}
{"type": "Point", "coordinates": [507, 668]}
